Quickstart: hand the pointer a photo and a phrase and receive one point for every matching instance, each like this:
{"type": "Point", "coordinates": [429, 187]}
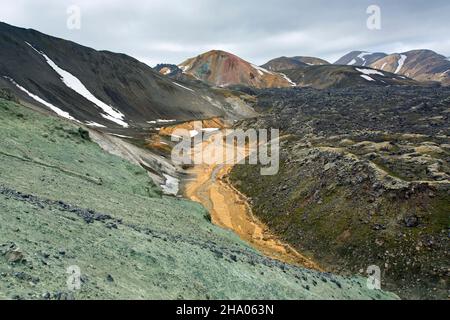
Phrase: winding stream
{"type": "Point", "coordinates": [209, 185]}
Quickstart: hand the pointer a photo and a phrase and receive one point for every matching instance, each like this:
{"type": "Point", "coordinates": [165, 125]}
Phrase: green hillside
{"type": "Point", "coordinates": [65, 202]}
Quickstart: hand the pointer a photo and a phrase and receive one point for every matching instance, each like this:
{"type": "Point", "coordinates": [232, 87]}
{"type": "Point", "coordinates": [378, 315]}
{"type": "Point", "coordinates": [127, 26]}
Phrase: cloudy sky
{"type": "Point", "coordinates": [170, 31]}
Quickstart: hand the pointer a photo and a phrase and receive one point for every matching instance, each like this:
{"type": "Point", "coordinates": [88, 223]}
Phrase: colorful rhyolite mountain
{"type": "Point", "coordinates": [421, 65]}
{"type": "Point", "coordinates": [220, 68]}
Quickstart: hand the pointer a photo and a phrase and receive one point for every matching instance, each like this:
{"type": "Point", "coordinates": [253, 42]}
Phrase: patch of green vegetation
{"type": "Point", "coordinates": [440, 211]}
{"type": "Point", "coordinates": [389, 170]}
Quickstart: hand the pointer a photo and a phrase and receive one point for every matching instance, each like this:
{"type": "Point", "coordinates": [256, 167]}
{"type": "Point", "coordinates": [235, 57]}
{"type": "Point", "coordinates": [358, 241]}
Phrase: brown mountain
{"type": "Point", "coordinates": [288, 63]}
{"type": "Point", "coordinates": [421, 65]}
{"type": "Point", "coordinates": [311, 61]}
{"type": "Point", "coordinates": [224, 69]}
{"type": "Point", "coordinates": [283, 63]}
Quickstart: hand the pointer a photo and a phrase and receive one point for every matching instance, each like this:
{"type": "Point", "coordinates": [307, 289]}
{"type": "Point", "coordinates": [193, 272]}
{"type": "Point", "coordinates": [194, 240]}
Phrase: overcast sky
{"type": "Point", "coordinates": [171, 31]}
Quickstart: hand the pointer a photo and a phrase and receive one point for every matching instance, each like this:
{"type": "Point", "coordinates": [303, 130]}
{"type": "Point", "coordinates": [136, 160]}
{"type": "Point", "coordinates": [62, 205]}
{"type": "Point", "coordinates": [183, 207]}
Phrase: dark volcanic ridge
{"type": "Point", "coordinates": [364, 179]}
{"type": "Point", "coordinates": [99, 88]}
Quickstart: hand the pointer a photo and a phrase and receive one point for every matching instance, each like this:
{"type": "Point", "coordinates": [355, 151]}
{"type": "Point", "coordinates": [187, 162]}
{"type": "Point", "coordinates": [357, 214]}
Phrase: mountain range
{"type": "Point", "coordinates": [222, 69]}
{"type": "Point", "coordinates": [421, 65]}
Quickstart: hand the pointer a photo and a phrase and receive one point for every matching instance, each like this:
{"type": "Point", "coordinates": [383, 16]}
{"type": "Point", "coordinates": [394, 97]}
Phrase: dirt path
{"type": "Point", "coordinates": [229, 209]}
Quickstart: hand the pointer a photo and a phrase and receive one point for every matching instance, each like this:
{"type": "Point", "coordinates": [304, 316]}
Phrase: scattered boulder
{"type": "Point", "coordinates": [12, 253]}
{"type": "Point", "coordinates": [379, 227]}
{"type": "Point", "coordinates": [15, 256]}
{"type": "Point", "coordinates": [63, 296]}
{"type": "Point", "coordinates": [84, 134]}
{"type": "Point", "coordinates": [46, 296]}
{"type": "Point", "coordinates": [412, 221]}
{"type": "Point", "coordinates": [6, 247]}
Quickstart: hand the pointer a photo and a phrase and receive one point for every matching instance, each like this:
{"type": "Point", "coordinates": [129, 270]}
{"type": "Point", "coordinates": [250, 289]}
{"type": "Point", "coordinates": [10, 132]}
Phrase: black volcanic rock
{"type": "Point", "coordinates": [364, 176]}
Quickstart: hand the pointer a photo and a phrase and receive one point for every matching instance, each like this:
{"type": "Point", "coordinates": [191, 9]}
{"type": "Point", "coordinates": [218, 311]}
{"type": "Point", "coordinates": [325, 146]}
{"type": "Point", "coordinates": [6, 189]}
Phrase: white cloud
{"type": "Point", "coordinates": [173, 30]}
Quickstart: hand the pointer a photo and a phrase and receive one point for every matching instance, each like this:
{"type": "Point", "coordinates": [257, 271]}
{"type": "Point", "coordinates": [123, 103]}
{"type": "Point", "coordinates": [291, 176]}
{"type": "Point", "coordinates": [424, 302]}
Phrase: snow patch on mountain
{"type": "Point", "coordinates": [171, 185]}
{"type": "Point", "coordinates": [383, 66]}
{"type": "Point", "coordinates": [352, 62]}
{"type": "Point", "coordinates": [401, 62]}
{"type": "Point", "coordinates": [289, 80]}
{"type": "Point", "coordinates": [370, 71]}
{"type": "Point", "coordinates": [261, 70]}
{"type": "Point", "coordinates": [367, 77]}
{"type": "Point", "coordinates": [185, 68]}
{"type": "Point", "coordinates": [120, 136]}
{"type": "Point", "coordinates": [94, 124]}
{"type": "Point", "coordinates": [181, 86]}
{"type": "Point", "coordinates": [55, 109]}
{"type": "Point", "coordinates": [165, 121]}
{"type": "Point", "coordinates": [76, 85]}
{"type": "Point", "coordinates": [362, 55]}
